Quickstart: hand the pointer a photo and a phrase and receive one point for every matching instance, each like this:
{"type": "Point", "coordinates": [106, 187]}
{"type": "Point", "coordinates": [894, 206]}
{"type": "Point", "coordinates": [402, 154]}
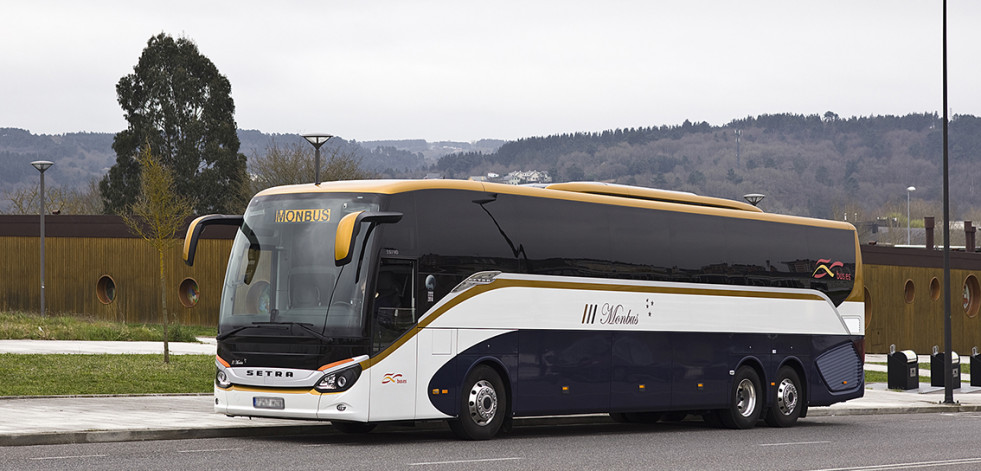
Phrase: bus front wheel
{"type": "Point", "coordinates": [483, 405]}
{"type": "Point", "coordinates": [745, 400]}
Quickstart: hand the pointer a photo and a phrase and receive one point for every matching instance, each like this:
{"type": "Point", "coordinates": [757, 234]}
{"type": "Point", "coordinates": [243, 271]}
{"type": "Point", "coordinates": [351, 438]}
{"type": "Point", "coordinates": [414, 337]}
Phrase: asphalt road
{"type": "Point", "coordinates": [922, 441]}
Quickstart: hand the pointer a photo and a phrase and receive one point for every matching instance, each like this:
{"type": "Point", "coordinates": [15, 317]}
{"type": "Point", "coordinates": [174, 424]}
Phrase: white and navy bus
{"type": "Point", "coordinates": [363, 302]}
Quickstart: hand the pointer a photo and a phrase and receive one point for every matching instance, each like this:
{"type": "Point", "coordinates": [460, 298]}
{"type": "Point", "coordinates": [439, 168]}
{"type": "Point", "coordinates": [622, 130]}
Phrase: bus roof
{"type": "Point", "coordinates": [597, 192]}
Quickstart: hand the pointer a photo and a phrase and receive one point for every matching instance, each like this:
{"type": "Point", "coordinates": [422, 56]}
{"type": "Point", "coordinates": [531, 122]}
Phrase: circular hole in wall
{"type": "Point", "coordinates": [105, 289]}
{"type": "Point", "coordinates": [909, 291]}
{"type": "Point", "coordinates": [972, 296]}
{"type": "Point", "coordinates": [935, 289]}
{"type": "Point", "coordinates": [188, 292]}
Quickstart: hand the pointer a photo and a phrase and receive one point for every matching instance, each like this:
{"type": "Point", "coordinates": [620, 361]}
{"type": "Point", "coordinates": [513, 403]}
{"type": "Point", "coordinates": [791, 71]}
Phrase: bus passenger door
{"type": "Point", "coordinates": [393, 316]}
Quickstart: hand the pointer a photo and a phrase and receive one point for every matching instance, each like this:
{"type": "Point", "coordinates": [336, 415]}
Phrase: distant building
{"type": "Point", "coordinates": [525, 177]}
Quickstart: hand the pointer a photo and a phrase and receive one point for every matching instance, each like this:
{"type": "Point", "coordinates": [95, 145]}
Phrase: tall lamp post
{"type": "Point", "coordinates": [41, 166]}
{"type": "Point", "coordinates": [908, 190]}
{"type": "Point", "coordinates": [317, 139]}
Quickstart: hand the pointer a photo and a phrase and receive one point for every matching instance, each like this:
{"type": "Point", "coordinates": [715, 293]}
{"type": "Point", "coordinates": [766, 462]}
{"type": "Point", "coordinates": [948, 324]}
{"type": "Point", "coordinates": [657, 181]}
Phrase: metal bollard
{"type": "Point", "coordinates": [937, 373]}
{"type": "Point", "coordinates": [975, 367]}
{"type": "Point", "coordinates": [903, 369]}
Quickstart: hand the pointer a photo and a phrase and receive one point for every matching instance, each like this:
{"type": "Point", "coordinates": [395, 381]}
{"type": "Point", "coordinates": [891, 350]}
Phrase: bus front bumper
{"type": "Point", "coordinates": [291, 404]}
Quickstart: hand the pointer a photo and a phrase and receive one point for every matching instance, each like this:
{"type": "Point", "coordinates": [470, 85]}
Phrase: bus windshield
{"type": "Point", "coordinates": [281, 269]}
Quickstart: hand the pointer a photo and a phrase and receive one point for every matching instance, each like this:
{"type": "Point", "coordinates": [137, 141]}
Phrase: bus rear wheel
{"type": "Point", "coordinates": [745, 400]}
{"type": "Point", "coordinates": [483, 405]}
{"type": "Point", "coordinates": [788, 405]}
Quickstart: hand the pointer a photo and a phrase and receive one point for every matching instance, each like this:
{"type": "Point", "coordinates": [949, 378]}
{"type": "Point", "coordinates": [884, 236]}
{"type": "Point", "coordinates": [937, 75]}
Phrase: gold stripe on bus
{"type": "Point", "coordinates": [255, 389]}
{"type": "Point", "coordinates": [505, 283]}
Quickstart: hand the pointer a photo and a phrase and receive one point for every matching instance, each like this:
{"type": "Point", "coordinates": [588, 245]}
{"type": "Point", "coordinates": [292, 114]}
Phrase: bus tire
{"type": "Point", "coordinates": [353, 427]}
{"type": "Point", "coordinates": [745, 400]}
{"type": "Point", "coordinates": [483, 405]}
{"type": "Point", "coordinates": [788, 405]}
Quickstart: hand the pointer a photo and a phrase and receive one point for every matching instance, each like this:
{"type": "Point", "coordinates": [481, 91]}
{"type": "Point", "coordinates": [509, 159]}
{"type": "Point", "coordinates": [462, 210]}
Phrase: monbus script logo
{"type": "Point", "coordinates": [302, 215]}
{"type": "Point", "coordinates": [833, 270]}
{"type": "Point", "coordinates": [610, 314]}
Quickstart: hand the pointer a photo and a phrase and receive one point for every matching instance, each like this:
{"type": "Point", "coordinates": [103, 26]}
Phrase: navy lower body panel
{"type": "Point", "coordinates": [572, 372]}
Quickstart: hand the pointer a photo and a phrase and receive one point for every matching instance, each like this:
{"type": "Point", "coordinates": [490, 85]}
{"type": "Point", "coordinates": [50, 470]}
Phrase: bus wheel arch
{"type": "Point", "coordinates": [484, 403]}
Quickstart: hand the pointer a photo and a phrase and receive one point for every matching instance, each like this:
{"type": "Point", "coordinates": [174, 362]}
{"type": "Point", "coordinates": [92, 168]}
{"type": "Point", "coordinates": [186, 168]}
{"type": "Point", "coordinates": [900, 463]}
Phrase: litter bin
{"type": "Point", "coordinates": [975, 367]}
{"type": "Point", "coordinates": [937, 373]}
{"type": "Point", "coordinates": [903, 372]}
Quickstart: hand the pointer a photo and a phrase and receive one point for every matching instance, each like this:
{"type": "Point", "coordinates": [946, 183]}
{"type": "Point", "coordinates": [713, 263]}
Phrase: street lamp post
{"type": "Point", "coordinates": [41, 166]}
{"type": "Point", "coordinates": [317, 139]}
{"type": "Point", "coordinates": [908, 190]}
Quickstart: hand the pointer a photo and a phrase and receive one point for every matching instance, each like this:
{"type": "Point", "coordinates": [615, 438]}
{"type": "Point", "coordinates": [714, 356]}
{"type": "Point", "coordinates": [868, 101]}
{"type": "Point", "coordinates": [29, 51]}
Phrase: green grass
{"type": "Point", "coordinates": [21, 325]}
{"type": "Point", "coordinates": [883, 377]}
{"type": "Point", "coordinates": [965, 366]}
{"type": "Point", "coordinates": [57, 375]}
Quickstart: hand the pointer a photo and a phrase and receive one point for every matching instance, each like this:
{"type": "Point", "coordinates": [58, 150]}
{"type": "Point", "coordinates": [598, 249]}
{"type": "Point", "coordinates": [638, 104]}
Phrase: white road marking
{"type": "Point", "coordinates": [68, 457]}
{"type": "Point", "coordinates": [465, 461]}
{"type": "Point", "coordinates": [792, 443]}
{"type": "Point", "coordinates": [208, 451]}
{"type": "Point", "coordinates": [919, 464]}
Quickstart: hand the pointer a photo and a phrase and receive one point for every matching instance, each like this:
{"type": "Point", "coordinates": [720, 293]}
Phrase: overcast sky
{"type": "Point", "coordinates": [460, 70]}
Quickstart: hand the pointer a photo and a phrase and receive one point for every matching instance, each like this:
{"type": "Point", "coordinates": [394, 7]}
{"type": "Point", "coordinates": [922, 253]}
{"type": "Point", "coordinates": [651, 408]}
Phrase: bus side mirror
{"type": "Point", "coordinates": [347, 231]}
{"type": "Point", "coordinates": [198, 225]}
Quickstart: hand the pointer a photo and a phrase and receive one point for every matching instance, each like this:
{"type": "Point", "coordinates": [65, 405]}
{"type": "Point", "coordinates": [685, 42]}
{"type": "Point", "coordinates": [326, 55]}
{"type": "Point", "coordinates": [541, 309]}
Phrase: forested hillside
{"type": "Point", "coordinates": [822, 166]}
{"type": "Point", "coordinates": [806, 165]}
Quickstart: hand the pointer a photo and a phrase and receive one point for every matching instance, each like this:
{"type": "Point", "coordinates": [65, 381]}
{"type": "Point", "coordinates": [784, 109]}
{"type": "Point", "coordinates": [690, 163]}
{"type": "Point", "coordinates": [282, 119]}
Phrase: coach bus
{"type": "Point", "coordinates": [362, 302]}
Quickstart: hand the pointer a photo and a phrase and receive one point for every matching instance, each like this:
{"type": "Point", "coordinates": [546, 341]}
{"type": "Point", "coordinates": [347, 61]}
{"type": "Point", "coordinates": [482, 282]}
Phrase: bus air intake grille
{"type": "Point", "coordinates": [840, 368]}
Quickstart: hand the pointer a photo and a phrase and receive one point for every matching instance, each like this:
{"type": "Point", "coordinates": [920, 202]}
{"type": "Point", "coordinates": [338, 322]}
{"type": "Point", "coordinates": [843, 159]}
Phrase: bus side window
{"type": "Point", "coordinates": [393, 312]}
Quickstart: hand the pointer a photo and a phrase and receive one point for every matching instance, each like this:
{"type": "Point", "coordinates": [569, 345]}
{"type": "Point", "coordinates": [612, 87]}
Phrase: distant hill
{"type": "Point", "coordinates": [809, 165]}
{"type": "Point", "coordinates": [81, 157]}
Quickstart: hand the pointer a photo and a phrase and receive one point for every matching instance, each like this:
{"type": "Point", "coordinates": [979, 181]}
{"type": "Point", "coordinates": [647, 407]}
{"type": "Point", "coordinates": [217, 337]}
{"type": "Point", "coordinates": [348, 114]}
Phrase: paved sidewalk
{"type": "Point", "coordinates": [83, 419]}
{"type": "Point", "coordinates": [207, 346]}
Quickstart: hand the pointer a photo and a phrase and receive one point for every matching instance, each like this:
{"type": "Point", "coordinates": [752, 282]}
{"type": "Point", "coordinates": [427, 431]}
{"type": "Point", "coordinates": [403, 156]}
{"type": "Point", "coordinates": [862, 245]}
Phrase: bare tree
{"type": "Point", "coordinates": [60, 200]}
{"type": "Point", "coordinates": [293, 163]}
{"type": "Point", "coordinates": [157, 216]}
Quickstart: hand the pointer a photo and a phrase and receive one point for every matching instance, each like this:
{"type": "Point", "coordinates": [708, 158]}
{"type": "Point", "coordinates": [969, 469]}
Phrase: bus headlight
{"type": "Point", "coordinates": [221, 380]}
{"type": "Point", "coordinates": [337, 381]}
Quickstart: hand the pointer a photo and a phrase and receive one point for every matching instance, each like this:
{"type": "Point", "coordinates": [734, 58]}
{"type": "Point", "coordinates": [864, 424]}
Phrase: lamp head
{"type": "Point", "coordinates": [754, 198]}
{"type": "Point", "coordinates": [42, 165]}
{"type": "Point", "coordinates": [317, 139]}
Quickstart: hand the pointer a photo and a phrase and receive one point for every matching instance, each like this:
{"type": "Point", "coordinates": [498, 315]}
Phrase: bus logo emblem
{"type": "Point", "coordinates": [393, 378]}
{"type": "Point", "coordinates": [823, 270]}
{"type": "Point", "coordinates": [589, 314]}
{"type": "Point", "coordinates": [611, 314]}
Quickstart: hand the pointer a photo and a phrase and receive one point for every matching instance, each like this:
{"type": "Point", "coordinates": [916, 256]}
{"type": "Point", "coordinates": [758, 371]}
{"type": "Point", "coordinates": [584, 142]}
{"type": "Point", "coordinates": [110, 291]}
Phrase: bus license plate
{"type": "Point", "coordinates": [268, 403]}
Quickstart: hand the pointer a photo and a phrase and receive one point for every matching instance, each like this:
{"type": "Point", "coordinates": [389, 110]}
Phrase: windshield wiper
{"type": "Point", "coordinates": [301, 325]}
{"type": "Point", "coordinates": [254, 325]}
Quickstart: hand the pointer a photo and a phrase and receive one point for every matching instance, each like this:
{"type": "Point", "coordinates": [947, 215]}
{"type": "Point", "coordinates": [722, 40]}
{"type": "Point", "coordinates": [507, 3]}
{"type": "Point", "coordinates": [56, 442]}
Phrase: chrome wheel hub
{"type": "Point", "coordinates": [746, 398]}
{"type": "Point", "coordinates": [482, 402]}
{"type": "Point", "coordinates": [787, 396]}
